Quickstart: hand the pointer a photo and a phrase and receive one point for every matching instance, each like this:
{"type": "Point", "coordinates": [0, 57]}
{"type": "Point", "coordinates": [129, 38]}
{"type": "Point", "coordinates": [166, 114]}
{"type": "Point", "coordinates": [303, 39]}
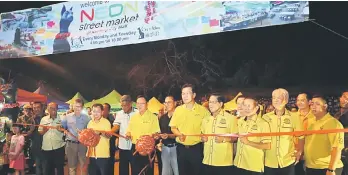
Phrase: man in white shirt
{"type": "Point", "coordinates": [120, 124]}
{"type": "Point", "coordinates": [52, 143]}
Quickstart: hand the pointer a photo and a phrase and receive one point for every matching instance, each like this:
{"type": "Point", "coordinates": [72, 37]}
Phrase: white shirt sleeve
{"type": "Point", "coordinates": [42, 122]}
{"type": "Point", "coordinates": [118, 119]}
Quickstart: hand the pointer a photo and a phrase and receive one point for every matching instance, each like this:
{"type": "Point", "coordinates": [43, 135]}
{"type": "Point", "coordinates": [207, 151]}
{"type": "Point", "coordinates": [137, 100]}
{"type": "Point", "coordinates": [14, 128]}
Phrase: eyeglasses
{"type": "Point", "coordinates": [141, 103]}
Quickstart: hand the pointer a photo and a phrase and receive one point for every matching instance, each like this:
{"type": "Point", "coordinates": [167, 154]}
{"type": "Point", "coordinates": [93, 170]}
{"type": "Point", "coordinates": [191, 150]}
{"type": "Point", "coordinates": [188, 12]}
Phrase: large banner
{"type": "Point", "coordinates": [77, 26]}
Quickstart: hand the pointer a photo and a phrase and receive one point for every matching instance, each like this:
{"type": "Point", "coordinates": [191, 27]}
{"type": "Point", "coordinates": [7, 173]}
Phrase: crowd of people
{"type": "Point", "coordinates": [190, 138]}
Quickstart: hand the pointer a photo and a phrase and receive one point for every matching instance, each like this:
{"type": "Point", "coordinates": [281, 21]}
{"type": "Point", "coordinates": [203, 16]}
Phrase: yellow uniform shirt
{"type": "Point", "coordinates": [306, 121]}
{"type": "Point", "coordinates": [102, 150]}
{"type": "Point", "coordinates": [189, 121]}
{"type": "Point", "coordinates": [219, 154]}
{"type": "Point", "coordinates": [146, 124]}
{"type": "Point", "coordinates": [248, 157]}
{"type": "Point", "coordinates": [283, 147]}
{"type": "Point", "coordinates": [318, 146]}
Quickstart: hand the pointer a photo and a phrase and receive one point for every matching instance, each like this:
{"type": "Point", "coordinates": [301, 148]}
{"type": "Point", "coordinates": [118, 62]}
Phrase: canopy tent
{"type": "Point", "coordinates": [52, 97]}
{"type": "Point", "coordinates": [113, 98]}
{"type": "Point", "coordinates": [154, 105]}
{"type": "Point", "coordinates": [24, 96]}
{"type": "Point", "coordinates": [232, 105]}
{"type": "Point", "coordinates": [77, 95]}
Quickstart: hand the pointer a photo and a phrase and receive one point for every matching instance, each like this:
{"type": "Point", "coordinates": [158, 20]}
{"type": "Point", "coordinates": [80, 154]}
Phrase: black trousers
{"type": "Point", "coordinates": [289, 170]}
{"type": "Point", "coordinates": [218, 170]}
{"type": "Point", "coordinates": [98, 166]}
{"type": "Point", "coordinates": [54, 161]}
{"type": "Point", "coordinates": [159, 159]}
{"type": "Point", "coordinates": [125, 161]}
{"type": "Point", "coordinates": [40, 162]}
{"type": "Point", "coordinates": [310, 171]}
{"type": "Point", "coordinates": [190, 159]}
{"type": "Point", "coordinates": [345, 162]}
{"type": "Point", "coordinates": [299, 168]}
{"type": "Point", "coordinates": [5, 169]}
{"type": "Point", "coordinates": [239, 171]}
{"type": "Point", "coordinates": [139, 162]}
{"type": "Point", "coordinates": [112, 159]}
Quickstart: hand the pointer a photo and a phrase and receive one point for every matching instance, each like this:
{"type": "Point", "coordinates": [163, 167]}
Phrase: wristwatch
{"type": "Point", "coordinates": [330, 170]}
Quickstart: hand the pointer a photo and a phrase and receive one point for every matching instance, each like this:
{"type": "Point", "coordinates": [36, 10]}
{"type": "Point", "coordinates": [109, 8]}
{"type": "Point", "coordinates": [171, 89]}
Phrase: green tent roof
{"type": "Point", "coordinates": [113, 98]}
{"type": "Point", "coordinates": [77, 95]}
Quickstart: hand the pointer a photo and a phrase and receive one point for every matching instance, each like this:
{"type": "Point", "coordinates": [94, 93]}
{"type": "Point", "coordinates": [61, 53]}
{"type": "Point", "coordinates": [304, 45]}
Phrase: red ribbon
{"type": "Point", "coordinates": [146, 148]}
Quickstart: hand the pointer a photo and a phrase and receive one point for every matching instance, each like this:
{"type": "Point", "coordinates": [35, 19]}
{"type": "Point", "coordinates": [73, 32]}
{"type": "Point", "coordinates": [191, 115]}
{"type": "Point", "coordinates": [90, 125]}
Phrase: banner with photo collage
{"type": "Point", "coordinates": [77, 26]}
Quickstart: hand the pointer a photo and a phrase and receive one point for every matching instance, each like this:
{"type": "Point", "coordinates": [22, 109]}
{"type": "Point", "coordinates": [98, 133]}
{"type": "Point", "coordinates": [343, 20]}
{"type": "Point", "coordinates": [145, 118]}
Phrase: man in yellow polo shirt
{"type": "Point", "coordinates": [218, 151]}
{"type": "Point", "coordinates": [238, 113]}
{"type": "Point", "coordinates": [306, 116]}
{"type": "Point", "coordinates": [99, 155]}
{"type": "Point", "coordinates": [187, 119]}
{"type": "Point", "coordinates": [250, 154]}
{"type": "Point", "coordinates": [282, 156]}
{"type": "Point", "coordinates": [304, 110]}
{"type": "Point", "coordinates": [323, 151]}
{"type": "Point", "coordinates": [142, 123]}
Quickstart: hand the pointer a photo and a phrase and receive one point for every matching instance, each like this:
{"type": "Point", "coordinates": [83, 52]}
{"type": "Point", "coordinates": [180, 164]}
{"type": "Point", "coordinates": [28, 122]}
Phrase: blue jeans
{"type": "Point", "coordinates": [169, 161]}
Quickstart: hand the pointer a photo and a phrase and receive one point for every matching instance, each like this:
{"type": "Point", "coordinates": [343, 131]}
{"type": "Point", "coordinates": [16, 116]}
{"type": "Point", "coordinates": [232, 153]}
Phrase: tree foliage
{"type": "Point", "coordinates": [169, 68]}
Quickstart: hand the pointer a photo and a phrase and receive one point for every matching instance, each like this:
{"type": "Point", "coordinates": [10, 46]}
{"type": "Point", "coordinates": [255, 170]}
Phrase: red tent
{"type": "Point", "coordinates": [26, 96]}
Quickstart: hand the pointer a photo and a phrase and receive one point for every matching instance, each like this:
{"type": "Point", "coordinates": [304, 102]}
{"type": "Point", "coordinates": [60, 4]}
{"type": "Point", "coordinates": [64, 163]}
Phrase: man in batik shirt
{"type": "Point", "coordinates": [27, 118]}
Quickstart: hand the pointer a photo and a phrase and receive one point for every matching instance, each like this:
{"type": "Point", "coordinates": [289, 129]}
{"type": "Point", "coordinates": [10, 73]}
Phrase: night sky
{"type": "Point", "coordinates": [306, 55]}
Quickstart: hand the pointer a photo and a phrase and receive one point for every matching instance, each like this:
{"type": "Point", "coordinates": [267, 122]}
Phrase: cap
{"type": "Point", "coordinates": [27, 106]}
